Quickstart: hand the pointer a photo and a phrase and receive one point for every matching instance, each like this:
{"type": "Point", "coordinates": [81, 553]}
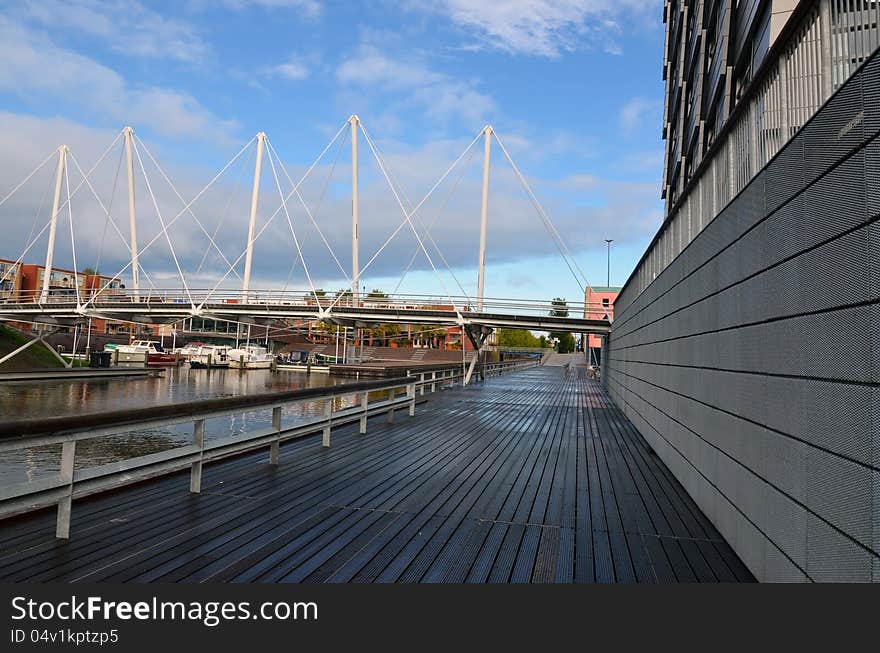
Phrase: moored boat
{"type": "Point", "coordinates": [208, 356]}
{"type": "Point", "coordinates": [144, 352]}
{"type": "Point", "coordinates": [250, 357]}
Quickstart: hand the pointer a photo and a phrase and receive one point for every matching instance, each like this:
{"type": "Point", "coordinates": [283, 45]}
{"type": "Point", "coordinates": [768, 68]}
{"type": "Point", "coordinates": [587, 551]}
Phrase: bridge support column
{"type": "Point", "coordinates": [355, 238]}
{"type": "Point", "coordinates": [479, 343]}
{"type": "Point", "coordinates": [132, 223]}
{"type": "Point", "coordinates": [53, 224]}
{"type": "Point", "coordinates": [484, 216]}
{"type": "Point", "coordinates": [255, 196]}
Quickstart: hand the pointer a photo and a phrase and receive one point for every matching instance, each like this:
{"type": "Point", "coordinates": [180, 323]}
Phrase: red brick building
{"type": "Point", "coordinates": [24, 282]}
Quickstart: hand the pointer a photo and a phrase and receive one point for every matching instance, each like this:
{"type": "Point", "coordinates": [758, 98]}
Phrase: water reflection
{"type": "Point", "coordinates": [175, 385]}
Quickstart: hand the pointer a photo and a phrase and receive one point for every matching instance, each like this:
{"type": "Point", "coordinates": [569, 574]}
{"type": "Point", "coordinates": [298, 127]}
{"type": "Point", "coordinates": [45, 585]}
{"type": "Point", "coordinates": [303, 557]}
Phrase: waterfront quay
{"type": "Point", "coordinates": [533, 476]}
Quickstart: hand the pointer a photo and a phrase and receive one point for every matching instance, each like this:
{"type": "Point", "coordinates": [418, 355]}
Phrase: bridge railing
{"type": "Point", "coordinates": [369, 399]}
{"type": "Point", "coordinates": [307, 299]}
{"type": "Point", "coordinates": [433, 379]}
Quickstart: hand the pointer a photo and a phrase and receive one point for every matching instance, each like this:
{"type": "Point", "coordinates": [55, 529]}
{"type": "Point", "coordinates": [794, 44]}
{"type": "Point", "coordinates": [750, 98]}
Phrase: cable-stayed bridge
{"type": "Point", "coordinates": [125, 297]}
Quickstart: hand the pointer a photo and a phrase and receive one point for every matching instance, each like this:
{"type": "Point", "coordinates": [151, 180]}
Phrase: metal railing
{"type": "Point", "coordinates": [71, 483]}
{"type": "Point", "coordinates": [452, 376]}
{"type": "Point", "coordinates": [306, 299]}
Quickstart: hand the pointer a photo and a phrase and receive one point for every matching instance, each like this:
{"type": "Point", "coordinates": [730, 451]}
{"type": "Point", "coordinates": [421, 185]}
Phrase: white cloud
{"type": "Point", "coordinates": [127, 27]}
{"type": "Point", "coordinates": [305, 8]}
{"type": "Point", "coordinates": [544, 28]}
{"type": "Point", "coordinates": [295, 68]}
{"type": "Point", "coordinates": [634, 113]}
{"type": "Point", "coordinates": [411, 81]}
{"type": "Point", "coordinates": [583, 208]}
{"type": "Point", "coordinates": [35, 68]}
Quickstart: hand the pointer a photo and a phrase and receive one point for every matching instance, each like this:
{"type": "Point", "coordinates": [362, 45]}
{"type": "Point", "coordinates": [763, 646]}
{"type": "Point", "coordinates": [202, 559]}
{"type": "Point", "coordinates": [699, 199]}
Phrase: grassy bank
{"type": "Point", "coordinates": [33, 358]}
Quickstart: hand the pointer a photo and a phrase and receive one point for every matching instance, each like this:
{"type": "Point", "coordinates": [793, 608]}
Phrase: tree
{"type": "Point", "coordinates": [375, 293]}
{"type": "Point", "coordinates": [384, 332]}
{"type": "Point", "coordinates": [566, 340]}
{"type": "Point", "coordinates": [560, 307]}
{"type": "Point", "coordinates": [516, 338]}
{"type": "Point", "coordinates": [543, 341]}
{"type": "Point", "coordinates": [89, 271]}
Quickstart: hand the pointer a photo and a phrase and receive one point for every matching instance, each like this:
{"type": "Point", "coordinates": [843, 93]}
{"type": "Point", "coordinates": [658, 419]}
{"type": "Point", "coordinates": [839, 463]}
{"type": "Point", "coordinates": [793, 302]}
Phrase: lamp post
{"type": "Point", "coordinates": [609, 241]}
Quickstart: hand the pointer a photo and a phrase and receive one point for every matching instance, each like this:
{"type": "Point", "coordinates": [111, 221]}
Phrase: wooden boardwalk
{"type": "Point", "coordinates": [531, 477]}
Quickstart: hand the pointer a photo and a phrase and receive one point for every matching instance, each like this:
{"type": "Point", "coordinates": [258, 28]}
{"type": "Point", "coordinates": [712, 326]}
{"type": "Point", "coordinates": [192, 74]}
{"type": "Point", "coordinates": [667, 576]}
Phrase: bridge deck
{"type": "Point", "coordinates": [532, 477]}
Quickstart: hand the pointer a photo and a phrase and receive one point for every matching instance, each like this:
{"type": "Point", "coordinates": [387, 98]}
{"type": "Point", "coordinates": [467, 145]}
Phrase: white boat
{"type": "Point", "coordinates": [250, 357]}
{"type": "Point", "coordinates": [209, 356]}
{"type": "Point", "coordinates": [144, 353]}
{"type": "Point", "coordinates": [188, 350]}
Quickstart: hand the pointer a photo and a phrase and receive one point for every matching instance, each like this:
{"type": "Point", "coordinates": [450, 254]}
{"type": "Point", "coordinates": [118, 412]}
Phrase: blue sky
{"type": "Point", "coordinates": [572, 88]}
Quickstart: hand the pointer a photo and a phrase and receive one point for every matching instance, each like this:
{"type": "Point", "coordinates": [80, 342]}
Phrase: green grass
{"type": "Point", "coordinates": [35, 357]}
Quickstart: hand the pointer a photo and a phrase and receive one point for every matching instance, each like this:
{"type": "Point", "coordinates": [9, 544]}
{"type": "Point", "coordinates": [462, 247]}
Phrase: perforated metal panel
{"type": "Point", "coordinates": [755, 355]}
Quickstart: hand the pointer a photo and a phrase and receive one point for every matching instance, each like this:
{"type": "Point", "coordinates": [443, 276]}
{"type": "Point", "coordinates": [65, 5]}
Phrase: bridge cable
{"type": "Point", "coordinates": [427, 231]}
{"type": "Point", "coordinates": [305, 206]}
{"type": "Point", "coordinates": [109, 210]}
{"type": "Point", "coordinates": [320, 199]}
{"type": "Point", "coordinates": [180, 197]}
{"type": "Point", "coordinates": [173, 220]}
{"type": "Point", "coordinates": [407, 215]}
{"type": "Point", "coordinates": [28, 177]}
{"type": "Point", "coordinates": [290, 223]}
{"type": "Point", "coordinates": [162, 222]}
{"type": "Point", "coordinates": [223, 215]}
{"type": "Point", "coordinates": [547, 222]}
{"type": "Point", "coordinates": [418, 206]}
{"type": "Point", "coordinates": [272, 217]}
{"type": "Point", "coordinates": [112, 223]}
{"type": "Point", "coordinates": [49, 222]}
{"type": "Point", "coordinates": [434, 221]}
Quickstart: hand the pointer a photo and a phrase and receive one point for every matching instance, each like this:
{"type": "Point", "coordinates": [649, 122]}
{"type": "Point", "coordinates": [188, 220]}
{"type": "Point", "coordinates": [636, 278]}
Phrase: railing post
{"type": "Point", "coordinates": [434, 381]}
{"type": "Point", "coordinates": [328, 413]}
{"type": "Point", "coordinates": [421, 384]}
{"type": "Point", "coordinates": [391, 408]}
{"type": "Point", "coordinates": [276, 426]}
{"type": "Point", "coordinates": [195, 476]}
{"type": "Point", "coordinates": [411, 393]}
{"type": "Point", "coordinates": [365, 400]}
{"type": "Point", "coordinates": [62, 524]}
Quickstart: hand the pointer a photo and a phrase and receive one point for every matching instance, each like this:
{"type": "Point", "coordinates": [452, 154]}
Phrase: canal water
{"type": "Point", "coordinates": [51, 398]}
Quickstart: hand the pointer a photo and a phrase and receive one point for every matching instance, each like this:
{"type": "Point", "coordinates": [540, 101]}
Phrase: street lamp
{"type": "Point", "coordinates": [609, 241]}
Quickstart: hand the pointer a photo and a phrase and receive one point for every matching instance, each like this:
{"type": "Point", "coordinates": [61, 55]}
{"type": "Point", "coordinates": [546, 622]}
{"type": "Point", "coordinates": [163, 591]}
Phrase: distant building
{"type": "Point", "coordinates": [24, 282]}
{"type": "Point", "coordinates": [598, 305]}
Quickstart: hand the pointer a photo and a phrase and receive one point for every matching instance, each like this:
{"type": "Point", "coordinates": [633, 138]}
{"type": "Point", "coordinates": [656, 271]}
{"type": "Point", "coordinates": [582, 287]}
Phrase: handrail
{"type": "Point", "coordinates": [70, 483]}
{"type": "Point", "coordinates": [273, 297]}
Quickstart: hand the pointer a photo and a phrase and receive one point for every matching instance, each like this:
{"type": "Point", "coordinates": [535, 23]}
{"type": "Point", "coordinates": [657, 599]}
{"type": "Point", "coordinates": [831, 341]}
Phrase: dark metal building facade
{"type": "Point", "coordinates": [746, 344]}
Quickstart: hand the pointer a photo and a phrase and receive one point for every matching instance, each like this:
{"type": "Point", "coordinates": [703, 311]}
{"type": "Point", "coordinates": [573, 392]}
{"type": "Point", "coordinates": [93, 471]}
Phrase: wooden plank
{"type": "Point", "coordinates": [532, 477]}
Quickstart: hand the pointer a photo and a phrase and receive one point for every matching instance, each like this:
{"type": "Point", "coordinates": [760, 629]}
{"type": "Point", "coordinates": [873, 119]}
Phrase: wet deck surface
{"type": "Point", "coordinates": [531, 477]}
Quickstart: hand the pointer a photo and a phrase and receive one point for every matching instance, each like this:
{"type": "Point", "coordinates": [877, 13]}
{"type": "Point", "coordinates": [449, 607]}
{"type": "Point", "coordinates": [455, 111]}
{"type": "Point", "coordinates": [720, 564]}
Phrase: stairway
{"type": "Point", "coordinates": [419, 355]}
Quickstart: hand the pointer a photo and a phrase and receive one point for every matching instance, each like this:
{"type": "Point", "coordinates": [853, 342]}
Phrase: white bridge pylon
{"type": "Point", "coordinates": [138, 304]}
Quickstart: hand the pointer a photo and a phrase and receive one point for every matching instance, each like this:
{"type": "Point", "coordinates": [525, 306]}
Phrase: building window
{"type": "Point", "coordinates": [605, 302]}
